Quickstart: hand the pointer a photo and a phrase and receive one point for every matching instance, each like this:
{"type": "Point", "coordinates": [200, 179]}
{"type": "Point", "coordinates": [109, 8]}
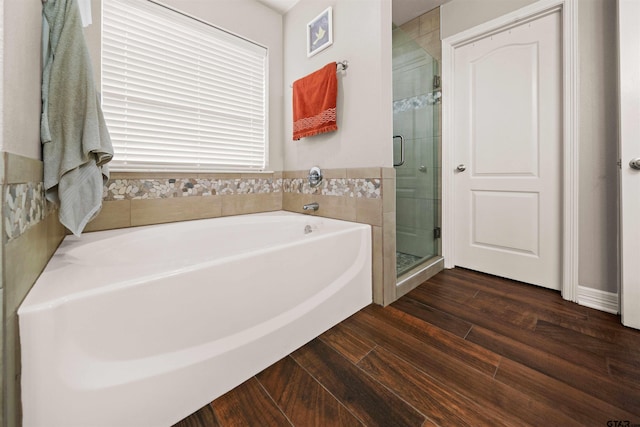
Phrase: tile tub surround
{"type": "Point", "coordinates": [162, 188]}
{"type": "Point", "coordinates": [368, 188]}
{"type": "Point", "coordinates": [31, 233]}
{"type": "Point", "coordinates": [133, 199]}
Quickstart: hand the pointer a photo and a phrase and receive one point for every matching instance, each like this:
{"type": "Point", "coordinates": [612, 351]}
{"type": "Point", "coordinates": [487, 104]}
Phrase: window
{"type": "Point", "coordinates": [179, 94]}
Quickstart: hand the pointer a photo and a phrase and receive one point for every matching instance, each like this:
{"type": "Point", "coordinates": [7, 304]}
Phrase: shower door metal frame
{"type": "Point", "coordinates": [417, 182]}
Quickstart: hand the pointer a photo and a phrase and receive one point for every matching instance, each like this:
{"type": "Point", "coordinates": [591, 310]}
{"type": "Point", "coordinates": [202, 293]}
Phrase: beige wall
{"type": "Point", "coordinates": [21, 78]}
{"type": "Point", "coordinates": [598, 119]}
{"type": "Point", "coordinates": [1, 74]}
{"type": "Point", "coordinates": [597, 31]}
{"type": "Point", "coordinates": [460, 15]}
{"type": "Point", "coordinates": [2, 334]}
{"type": "Point", "coordinates": [362, 36]}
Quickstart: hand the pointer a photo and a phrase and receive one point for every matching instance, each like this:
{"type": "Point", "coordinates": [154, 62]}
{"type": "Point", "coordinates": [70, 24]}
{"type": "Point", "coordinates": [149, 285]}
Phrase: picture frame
{"type": "Point", "coordinates": [320, 32]}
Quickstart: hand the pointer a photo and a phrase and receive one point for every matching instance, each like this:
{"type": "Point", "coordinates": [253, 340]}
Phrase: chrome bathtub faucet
{"type": "Point", "coordinates": [311, 207]}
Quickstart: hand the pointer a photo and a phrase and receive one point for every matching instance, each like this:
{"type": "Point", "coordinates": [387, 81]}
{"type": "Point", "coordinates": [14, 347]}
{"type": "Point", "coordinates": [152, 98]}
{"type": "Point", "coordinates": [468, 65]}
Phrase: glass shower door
{"type": "Point", "coordinates": [416, 96]}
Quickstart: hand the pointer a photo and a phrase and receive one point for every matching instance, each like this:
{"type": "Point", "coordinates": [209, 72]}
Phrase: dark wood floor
{"type": "Point", "coordinates": [462, 349]}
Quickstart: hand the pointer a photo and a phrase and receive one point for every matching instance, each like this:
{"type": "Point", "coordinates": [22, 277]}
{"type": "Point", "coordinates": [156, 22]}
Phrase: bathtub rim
{"type": "Point", "coordinates": [46, 301]}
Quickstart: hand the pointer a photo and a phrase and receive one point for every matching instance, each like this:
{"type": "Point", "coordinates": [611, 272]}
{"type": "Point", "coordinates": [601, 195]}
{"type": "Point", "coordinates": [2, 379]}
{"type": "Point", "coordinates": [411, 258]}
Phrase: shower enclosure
{"type": "Point", "coordinates": [416, 142]}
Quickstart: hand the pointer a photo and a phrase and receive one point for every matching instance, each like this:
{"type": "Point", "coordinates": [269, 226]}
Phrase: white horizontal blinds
{"type": "Point", "coordinates": [178, 94]}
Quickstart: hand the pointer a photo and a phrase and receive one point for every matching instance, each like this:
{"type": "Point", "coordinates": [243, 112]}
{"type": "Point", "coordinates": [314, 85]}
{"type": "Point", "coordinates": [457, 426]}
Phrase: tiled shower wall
{"type": "Point", "coordinates": [425, 30]}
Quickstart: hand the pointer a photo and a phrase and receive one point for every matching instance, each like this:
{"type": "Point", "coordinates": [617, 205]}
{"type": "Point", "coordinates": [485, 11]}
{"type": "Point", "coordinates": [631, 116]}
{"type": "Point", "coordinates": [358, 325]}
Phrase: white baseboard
{"type": "Point", "coordinates": [600, 300]}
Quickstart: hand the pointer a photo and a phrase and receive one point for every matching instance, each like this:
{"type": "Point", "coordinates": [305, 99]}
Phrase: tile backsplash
{"type": "Point", "coordinates": [370, 188]}
{"type": "Point", "coordinates": [162, 188]}
{"type": "Point", "coordinates": [132, 199]}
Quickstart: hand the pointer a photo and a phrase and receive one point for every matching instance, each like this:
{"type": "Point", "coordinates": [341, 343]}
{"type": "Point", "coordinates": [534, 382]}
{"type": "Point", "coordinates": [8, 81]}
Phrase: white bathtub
{"type": "Point", "coordinates": [141, 327]}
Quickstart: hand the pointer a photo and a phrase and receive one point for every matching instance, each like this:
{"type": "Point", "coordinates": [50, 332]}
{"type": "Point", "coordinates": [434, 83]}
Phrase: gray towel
{"type": "Point", "coordinates": [76, 142]}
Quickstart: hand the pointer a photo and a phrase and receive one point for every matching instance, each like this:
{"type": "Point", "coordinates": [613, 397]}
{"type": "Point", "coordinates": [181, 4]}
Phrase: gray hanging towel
{"type": "Point", "coordinates": [76, 142]}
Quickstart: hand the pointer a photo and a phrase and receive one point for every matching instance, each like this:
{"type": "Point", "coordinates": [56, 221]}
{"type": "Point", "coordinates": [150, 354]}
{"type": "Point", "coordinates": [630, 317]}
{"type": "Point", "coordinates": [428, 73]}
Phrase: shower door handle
{"type": "Point", "coordinates": [401, 150]}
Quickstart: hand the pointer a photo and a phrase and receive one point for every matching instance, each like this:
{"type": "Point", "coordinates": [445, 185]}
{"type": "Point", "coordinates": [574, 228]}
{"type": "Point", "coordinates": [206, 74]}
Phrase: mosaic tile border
{"type": "Point", "coordinates": [154, 188]}
{"type": "Point", "coordinates": [162, 188]}
{"type": "Point", "coordinates": [416, 102]}
{"type": "Point", "coordinates": [370, 188]}
{"type": "Point", "coordinates": [25, 205]}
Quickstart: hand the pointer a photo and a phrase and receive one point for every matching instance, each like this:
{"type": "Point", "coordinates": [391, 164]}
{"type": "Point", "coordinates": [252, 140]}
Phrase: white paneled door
{"type": "Point", "coordinates": [508, 147]}
{"type": "Point", "coordinates": [629, 18]}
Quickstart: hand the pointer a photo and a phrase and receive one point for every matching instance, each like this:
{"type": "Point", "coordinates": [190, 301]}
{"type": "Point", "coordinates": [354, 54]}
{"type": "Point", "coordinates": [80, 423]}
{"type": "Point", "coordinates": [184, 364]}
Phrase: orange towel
{"type": "Point", "coordinates": [314, 102]}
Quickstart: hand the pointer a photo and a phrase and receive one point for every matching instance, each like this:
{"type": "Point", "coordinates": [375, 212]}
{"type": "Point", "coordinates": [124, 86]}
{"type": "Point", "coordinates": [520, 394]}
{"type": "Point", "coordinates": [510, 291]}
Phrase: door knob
{"type": "Point", "coordinates": [461, 167]}
{"type": "Point", "coordinates": [635, 163]}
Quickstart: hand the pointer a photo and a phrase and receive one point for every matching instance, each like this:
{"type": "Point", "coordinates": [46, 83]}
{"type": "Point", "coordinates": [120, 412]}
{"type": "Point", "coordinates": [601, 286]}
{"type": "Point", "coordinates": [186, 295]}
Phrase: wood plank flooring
{"type": "Point", "coordinates": [464, 348]}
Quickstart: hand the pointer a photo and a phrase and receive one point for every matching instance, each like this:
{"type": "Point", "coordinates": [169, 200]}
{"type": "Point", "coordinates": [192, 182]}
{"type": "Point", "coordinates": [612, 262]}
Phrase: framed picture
{"type": "Point", "coordinates": [320, 32]}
